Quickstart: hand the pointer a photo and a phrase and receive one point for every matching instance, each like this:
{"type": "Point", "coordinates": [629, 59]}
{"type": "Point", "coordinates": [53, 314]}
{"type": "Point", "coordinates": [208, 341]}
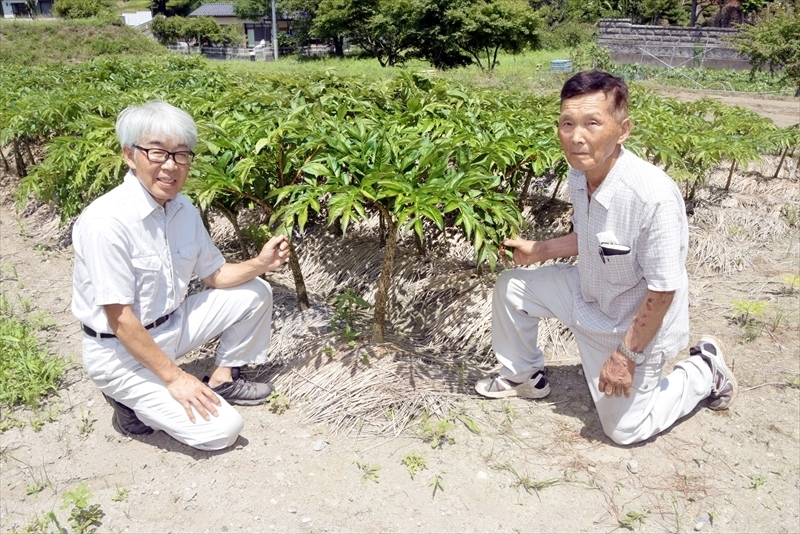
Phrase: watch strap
{"type": "Point", "coordinates": [635, 357]}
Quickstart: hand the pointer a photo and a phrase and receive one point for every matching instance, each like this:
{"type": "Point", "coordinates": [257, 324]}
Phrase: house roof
{"type": "Point", "coordinates": [217, 9]}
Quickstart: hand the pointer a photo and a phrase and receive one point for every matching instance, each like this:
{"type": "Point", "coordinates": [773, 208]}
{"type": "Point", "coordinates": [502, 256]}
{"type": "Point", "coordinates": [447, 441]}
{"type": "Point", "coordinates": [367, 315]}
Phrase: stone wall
{"type": "Point", "coordinates": [670, 45]}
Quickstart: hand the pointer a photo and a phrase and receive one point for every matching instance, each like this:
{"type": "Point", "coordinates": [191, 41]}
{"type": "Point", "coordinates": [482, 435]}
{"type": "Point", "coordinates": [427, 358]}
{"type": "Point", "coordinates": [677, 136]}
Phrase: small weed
{"type": "Point", "coordinates": [36, 525]}
{"type": "Point", "coordinates": [278, 402]}
{"type": "Point", "coordinates": [436, 483]}
{"type": "Point", "coordinates": [793, 382]}
{"type": "Point", "coordinates": [414, 462]}
{"type": "Point", "coordinates": [632, 519]}
{"type": "Point", "coordinates": [34, 489]}
{"type": "Point", "coordinates": [749, 315]}
{"type": "Point", "coordinates": [121, 495]}
{"type": "Point", "coordinates": [369, 472]}
{"type": "Point", "coordinates": [330, 352]}
{"type": "Point", "coordinates": [508, 409]}
{"type": "Point", "coordinates": [526, 482]}
{"type": "Point", "coordinates": [83, 518]}
{"type": "Point", "coordinates": [791, 281]}
{"type": "Point", "coordinates": [790, 214]}
{"type": "Point", "coordinates": [346, 317]}
{"type": "Point", "coordinates": [87, 423]}
{"type": "Point", "coordinates": [756, 481]}
{"type": "Point", "coordinates": [436, 433]}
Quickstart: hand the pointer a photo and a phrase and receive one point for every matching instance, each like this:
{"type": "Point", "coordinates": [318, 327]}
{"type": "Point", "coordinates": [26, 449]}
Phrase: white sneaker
{"type": "Point", "coordinates": [497, 387]}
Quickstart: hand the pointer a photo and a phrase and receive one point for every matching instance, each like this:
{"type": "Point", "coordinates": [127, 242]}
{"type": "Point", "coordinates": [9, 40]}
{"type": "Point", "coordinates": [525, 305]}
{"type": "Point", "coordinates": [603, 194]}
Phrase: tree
{"type": "Point", "coordinates": [436, 34]}
{"type": "Point", "coordinates": [168, 30]}
{"type": "Point", "coordinates": [486, 26]}
{"type": "Point", "coordinates": [80, 9]}
{"type": "Point", "coordinates": [774, 42]}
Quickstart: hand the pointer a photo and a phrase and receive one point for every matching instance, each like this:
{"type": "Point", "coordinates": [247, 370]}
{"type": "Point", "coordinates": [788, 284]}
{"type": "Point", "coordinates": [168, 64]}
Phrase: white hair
{"type": "Point", "coordinates": [156, 119]}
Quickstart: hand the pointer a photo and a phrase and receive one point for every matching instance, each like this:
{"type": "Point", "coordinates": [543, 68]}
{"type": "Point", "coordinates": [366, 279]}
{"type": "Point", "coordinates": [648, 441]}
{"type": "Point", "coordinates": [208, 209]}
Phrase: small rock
{"type": "Point", "coordinates": [580, 371]}
{"type": "Point", "coordinates": [633, 466]}
{"type": "Point", "coordinates": [156, 492]}
{"type": "Point", "coordinates": [583, 408]}
{"type": "Point", "coordinates": [700, 522]}
{"type": "Point", "coordinates": [306, 520]}
{"type": "Point", "coordinates": [483, 475]}
{"type": "Point", "coordinates": [90, 403]}
{"type": "Point", "coordinates": [292, 510]}
{"type": "Point", "coordinates": [223, 528]}
{"type": "Point", "coordinates": [320, 445]}
{"type": "Point", "coordinates": [273, 502]}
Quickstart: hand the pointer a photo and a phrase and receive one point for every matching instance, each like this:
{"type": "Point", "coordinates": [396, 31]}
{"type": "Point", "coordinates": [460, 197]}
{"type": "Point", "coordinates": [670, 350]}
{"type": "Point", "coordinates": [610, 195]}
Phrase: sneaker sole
{"type": "Point", "coordinates": [522, 391]}
{"type": "Point", "coordinates": [728, 372]}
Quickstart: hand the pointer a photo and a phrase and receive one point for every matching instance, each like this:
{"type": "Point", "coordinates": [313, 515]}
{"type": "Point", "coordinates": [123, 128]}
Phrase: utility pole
{"type": "Point", "coordinates": [274, 31]}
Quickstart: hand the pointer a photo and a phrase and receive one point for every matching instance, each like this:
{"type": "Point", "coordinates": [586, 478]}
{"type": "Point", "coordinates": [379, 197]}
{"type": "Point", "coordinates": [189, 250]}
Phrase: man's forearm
{"type": "Point", "coordinates": [559, 247]}
{"type": "Point", "coordinates": [234, 274]}
{"type": "Point", "coordinates": [130, 331]}
{"type": "Point", "coordinates": [648, 319]}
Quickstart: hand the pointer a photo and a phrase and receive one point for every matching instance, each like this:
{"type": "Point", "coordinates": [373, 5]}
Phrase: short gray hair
{"type": "Point", "coordinates": [156, 119]}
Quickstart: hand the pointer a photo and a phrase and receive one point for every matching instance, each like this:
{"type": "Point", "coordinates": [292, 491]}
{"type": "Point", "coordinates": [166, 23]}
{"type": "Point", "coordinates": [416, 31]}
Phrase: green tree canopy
{"type": "Point", "coordinates": [81, 9]}
{"type": "Point", "coordinates": [774, 41]}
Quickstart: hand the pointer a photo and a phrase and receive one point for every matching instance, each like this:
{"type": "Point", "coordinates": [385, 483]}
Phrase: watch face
{"type": "Point", "coordinates": [639, 359]}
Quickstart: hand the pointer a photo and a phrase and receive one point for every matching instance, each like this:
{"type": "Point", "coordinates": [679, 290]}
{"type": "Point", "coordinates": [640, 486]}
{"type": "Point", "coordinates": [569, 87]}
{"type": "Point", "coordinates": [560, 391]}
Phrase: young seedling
{"type": "Point", "coordinates": [369, 472]}
{"type": "Point", "coordinates": [278, 402]}
{"type": "Point", "coordinates": [756, 481]}
{"type": "Point", "coordinates": [87, 423]}
{"type": "Point", "coordinates": [121, 495]}
{"type": "Point", "coordinates": [414, 462]}
{"type": "Point", "coordinates": [436, 433]}
{"type": "Point", "coordinates": [747, 314]}
{"type": "Point", "coordinates": [632, 518]}
{"type": "Point", "coordinates": [526, 482]}
{"type": "Point", "coordinates": [436, 483]}
{"type": "Point", "coordinates": [84, 518]}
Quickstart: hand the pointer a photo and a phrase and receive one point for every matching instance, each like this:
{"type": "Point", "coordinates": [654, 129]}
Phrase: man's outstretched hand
{"type": "Point", "coordinates": [616, 375]}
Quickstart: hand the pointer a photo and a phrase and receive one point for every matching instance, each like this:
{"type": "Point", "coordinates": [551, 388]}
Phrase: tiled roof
{"type": "Point", "coordinates": [221, 9]}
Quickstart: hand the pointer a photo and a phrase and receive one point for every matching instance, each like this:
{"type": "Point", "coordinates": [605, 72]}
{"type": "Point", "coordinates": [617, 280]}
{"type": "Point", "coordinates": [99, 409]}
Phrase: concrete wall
{"type": "Point", "coordinates": [670, 45]}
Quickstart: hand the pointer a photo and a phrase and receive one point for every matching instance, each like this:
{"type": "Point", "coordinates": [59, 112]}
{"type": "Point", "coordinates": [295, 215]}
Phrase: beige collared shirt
{"type": "Point", "coordinates": [129, 250]}
{"type": "Point", "coordinates": [638, 206]}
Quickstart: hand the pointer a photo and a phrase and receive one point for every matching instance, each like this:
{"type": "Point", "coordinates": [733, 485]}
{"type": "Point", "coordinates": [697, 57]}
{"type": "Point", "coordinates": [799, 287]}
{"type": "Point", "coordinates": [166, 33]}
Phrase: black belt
{"type": "Point", "coordinates": [102, 335]}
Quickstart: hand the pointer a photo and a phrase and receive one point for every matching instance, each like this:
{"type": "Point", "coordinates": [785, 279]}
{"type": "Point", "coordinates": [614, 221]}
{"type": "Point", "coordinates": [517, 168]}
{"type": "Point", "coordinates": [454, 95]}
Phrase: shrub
{"type": "Point", "coordinates": [81, 9]}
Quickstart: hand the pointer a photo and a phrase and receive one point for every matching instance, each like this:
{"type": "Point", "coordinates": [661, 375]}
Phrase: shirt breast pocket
{"type": "Point", "coordinates": [621, 270]}
{"type": "Point", "coordinates": [147, 270]}
{"type": "Point", "coordinates": [184, 261]}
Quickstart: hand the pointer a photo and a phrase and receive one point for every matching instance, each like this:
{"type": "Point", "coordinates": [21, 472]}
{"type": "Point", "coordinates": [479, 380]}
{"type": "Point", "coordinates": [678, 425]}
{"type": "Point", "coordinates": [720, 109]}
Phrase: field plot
{"type": "Point", "coordinates": [377, 437]}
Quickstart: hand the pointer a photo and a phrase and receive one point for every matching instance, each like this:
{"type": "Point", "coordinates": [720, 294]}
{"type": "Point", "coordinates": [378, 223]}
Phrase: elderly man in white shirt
{"type": "Point", "coordinates": [136, 249]}
{"type": "Point", "coordinates": [626, 301]}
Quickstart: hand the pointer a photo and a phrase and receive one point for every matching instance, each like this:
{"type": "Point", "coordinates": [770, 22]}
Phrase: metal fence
{"type": "Point", "coordinates": [246, 54]}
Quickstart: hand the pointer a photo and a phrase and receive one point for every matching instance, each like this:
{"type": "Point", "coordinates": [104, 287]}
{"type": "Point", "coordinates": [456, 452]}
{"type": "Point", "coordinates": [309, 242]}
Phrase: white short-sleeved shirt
{"type": "Point", "coordinates": [638, 206]}
{"type": "Point", "coordinates": [129, 250]}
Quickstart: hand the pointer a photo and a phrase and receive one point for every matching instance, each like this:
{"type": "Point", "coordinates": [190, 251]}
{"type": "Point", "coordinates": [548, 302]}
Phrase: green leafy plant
{"type": "Point", "coordinates": [83, 517]}
{"type": "Point", "coordinates": [414, 462]}
{"type": "Point", "coordinates": [278, 402]}
{"type": "Point", "coordinates": [86, 426]}
{"type": "Point", "coordinates": [526, 482]}
{"type": "Point", "coordinates": [633, 519]}
{"type": "Point", "coordinates": [121, 495]}
{"type": "Point", "coordinates": [346, 319]}
{"type": "Point", "coordinates": [436, 432]}
{"type": "Point", "coordinates": [369, 472]}
{"type": "Point", "coordinates": [28, 373]}
{"type": "Point", "coordinates": [749, 315]}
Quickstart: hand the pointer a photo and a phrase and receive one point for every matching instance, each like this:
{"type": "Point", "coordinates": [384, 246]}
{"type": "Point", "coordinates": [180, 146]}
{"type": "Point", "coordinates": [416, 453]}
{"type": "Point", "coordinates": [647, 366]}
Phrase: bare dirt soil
{"type": "Point", "coordinates": [528, 466]}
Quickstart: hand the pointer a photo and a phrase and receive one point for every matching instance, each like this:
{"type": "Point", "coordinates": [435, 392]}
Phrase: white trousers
{"type": "Point", "coordinates": [241, 315]}
{"type": "Point", "coordinates": [522, 296]}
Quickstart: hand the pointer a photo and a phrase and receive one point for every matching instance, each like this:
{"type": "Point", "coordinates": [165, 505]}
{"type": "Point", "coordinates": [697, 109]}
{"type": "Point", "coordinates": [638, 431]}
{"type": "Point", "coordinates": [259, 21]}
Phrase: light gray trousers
{"type": "Point", "coordinates": [522, 296]}
{"type": "Point", "coordinates": [242, 315]}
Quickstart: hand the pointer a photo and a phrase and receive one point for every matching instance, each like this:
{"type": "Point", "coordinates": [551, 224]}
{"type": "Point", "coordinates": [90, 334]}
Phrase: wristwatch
{"type": "Point", "coordinates": [635, 357]}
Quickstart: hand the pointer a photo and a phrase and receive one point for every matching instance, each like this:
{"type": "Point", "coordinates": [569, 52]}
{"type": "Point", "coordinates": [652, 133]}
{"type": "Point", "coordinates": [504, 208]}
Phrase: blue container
{"type": "Point", "coordinates": [561, 65]}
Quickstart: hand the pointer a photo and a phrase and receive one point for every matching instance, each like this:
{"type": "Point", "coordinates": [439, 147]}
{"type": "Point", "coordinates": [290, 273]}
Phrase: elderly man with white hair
{"type": "Point", "coordinates": [136, 249]}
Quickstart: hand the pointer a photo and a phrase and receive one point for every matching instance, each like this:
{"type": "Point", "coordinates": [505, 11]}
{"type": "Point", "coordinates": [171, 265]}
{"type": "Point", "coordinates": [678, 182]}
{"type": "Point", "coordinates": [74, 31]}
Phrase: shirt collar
{"type": "Point", "coordinates": [143, 201]}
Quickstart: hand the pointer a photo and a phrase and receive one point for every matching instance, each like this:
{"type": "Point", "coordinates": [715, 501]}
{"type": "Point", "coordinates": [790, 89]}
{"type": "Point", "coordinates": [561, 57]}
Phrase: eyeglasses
{"type": "Point", "coordinates": [159, 155]}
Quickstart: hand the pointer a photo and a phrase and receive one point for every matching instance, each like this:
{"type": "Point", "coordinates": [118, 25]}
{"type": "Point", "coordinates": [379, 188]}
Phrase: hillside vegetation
{"type": "Point", "coordinates": [44, 42]}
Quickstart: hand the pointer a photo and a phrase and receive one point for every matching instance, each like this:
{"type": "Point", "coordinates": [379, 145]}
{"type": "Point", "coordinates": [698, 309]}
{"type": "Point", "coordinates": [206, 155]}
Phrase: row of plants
{"type": "Point", "coordinates": [423, 156]}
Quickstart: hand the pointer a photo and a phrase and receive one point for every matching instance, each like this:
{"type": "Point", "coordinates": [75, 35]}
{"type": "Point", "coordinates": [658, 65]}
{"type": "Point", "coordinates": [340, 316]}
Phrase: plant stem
{"type": "Point", "coordinates": [730, 175]}
{"type": "Point", "coordinates": [299, 282]}
{"type": "Point", "coordinates": [385, 280]}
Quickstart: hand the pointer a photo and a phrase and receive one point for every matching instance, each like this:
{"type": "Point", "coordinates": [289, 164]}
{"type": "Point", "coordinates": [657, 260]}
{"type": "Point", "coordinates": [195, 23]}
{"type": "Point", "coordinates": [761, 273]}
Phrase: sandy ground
{"type": "Point", "coordinates": [533, 466]}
